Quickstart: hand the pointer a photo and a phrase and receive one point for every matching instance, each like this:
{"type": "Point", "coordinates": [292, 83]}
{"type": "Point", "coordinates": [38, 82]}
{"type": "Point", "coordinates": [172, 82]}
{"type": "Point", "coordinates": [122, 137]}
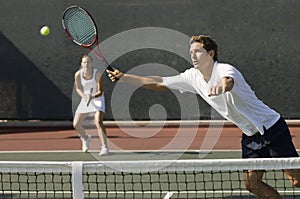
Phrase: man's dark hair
{"type": "Point", "coordinates": [208, 44]}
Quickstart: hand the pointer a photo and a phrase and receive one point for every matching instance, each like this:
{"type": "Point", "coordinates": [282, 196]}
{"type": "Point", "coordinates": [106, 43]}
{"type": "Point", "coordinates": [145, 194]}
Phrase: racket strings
{"type": "Point", "coordinates": [80, 26]}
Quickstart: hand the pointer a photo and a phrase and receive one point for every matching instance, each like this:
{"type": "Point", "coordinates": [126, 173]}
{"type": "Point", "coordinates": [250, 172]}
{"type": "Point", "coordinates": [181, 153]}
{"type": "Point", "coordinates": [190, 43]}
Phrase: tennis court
{"type": "Point", "coordinates": [40, 152]}
{"type": "Point", "coordinates": [147, 170]}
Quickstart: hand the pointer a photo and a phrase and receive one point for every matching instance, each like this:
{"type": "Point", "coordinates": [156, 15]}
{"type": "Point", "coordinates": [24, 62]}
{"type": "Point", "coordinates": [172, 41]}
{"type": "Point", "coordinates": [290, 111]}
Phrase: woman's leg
{"type": "Point", "coordinates": [101, 132]}
{"type": "Point", "coordinates": [78, 125]}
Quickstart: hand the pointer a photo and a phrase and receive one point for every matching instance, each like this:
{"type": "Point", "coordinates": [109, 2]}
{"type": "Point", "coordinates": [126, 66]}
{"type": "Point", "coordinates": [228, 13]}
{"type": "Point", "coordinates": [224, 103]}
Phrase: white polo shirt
{"type": "Point", "coordinates": [240, 105]}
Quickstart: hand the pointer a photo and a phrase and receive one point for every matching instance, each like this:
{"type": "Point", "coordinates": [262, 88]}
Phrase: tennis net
{"type": "Point", "coordinates": [218, 178]}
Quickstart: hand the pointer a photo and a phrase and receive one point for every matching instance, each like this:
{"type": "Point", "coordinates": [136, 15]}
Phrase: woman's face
{"type": "Point", "coordinates": [86, 63]}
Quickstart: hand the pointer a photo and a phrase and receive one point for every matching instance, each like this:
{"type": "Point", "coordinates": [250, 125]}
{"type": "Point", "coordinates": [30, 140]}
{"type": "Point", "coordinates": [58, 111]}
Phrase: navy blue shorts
{"type": "Point", "coordinates": [276, 142]}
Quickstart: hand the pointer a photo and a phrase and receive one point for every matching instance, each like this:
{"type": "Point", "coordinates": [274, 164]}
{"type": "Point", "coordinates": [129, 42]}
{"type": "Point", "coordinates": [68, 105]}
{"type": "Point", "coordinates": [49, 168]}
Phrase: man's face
{"type": "Point", "coordinates": [199, 55]}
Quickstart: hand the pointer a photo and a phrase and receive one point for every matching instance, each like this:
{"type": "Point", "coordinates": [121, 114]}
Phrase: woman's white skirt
{"type": "Point", "coordinates": [96, 104]}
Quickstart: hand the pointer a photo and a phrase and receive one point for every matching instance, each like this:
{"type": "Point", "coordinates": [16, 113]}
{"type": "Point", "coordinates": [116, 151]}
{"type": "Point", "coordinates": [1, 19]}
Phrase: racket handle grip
{"type": "Point", "coordinates": [111, 69]}
{"type": "Point", "coordinates": [88, 103]}
{"type": "Point", "coordinates": [90, 97]}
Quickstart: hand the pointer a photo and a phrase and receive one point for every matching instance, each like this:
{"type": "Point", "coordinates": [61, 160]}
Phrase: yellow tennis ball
{"type": "Point", "coordinates": [45, 30]}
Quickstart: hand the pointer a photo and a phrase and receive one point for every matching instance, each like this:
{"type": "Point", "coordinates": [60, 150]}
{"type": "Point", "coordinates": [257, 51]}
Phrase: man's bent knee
{"type": "Point", "coordinates": [296, 183]}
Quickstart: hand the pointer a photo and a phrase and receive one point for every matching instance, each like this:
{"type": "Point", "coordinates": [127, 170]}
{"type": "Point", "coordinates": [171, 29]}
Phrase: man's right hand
{"type": "Point", "coordinates": [114, 75]}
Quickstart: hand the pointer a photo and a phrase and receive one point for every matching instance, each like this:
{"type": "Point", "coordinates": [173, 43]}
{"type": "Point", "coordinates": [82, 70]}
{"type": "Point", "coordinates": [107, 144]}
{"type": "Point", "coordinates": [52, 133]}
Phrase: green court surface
{"type": "Point", "coordinates": [115, 155]}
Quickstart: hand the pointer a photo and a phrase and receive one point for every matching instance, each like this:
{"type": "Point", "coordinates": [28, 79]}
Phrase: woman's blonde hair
{"type": "Point", "coordinates": [84, 56]}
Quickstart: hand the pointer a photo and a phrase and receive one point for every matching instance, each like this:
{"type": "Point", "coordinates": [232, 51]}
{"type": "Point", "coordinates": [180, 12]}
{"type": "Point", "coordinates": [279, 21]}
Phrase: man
{"type": "Point", "coordinates": [265, 133]}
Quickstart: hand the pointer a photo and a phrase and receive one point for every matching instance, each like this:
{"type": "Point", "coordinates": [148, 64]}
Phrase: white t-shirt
{"type": "Point", "coordinates": [240, 105]}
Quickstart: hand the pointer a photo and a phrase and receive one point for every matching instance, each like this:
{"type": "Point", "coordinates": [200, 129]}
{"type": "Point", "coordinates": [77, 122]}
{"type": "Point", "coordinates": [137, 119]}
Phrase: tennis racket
{"type": "Point", "coordinates": [90, 97]}
{"type": "Point", "coordinates": [81, 29]}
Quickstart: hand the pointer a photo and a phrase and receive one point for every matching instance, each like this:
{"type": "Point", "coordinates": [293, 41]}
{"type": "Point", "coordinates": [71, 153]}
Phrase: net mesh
{"type": "Point", "coordinates": [80, 26]}
{"type": "Point", "coordinates": [142, 179]}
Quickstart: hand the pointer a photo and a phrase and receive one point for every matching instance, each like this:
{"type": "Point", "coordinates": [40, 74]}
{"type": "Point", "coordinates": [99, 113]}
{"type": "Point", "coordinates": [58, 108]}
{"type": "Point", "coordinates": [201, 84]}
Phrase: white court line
{"type": "Point", "coordinates": [37, 123]}
{"type": "Point", "coordinates": [125, 151]}
{"type": "Point", "coordinates": [168, 195]}
{"type": "Point", "coordinates": [122, 151]}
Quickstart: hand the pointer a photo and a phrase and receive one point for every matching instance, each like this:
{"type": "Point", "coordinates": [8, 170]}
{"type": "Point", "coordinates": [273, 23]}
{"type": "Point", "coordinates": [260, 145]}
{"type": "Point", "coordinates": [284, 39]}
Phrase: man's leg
{"type": "Point", "coordinates": [293, 176]}
{"type": "Point", "coordinates": [254, 184]}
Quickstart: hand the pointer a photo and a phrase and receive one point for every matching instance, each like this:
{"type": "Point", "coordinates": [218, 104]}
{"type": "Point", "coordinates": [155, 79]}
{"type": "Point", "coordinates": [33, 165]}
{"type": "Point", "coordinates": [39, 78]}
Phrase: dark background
{"type": "Point", "coordinates": [260, 38]}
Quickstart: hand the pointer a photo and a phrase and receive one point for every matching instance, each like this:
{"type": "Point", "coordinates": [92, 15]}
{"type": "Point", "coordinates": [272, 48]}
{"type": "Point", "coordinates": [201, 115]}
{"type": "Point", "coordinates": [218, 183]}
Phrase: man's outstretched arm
{"type": "Point", "coordinates": [151, 83]}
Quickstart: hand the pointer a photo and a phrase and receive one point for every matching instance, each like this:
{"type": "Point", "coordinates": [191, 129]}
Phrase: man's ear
{"type": "Point", "coordinates": [211, 53]}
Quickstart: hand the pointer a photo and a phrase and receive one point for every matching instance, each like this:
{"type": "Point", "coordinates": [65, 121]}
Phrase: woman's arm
{"type": "Point", "coordinates": [100, 88]}
{"type": "Point", "coordinates": [78, 86]}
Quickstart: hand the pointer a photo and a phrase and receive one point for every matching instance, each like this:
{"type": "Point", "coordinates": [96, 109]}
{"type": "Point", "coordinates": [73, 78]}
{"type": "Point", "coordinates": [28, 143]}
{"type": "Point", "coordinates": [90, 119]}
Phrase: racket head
{"type": "Point", "coordinates": [79, 26]}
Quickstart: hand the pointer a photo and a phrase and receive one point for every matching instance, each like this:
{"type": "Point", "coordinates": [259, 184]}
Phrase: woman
{"type": "Point", "coordinates": [89, 86]}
